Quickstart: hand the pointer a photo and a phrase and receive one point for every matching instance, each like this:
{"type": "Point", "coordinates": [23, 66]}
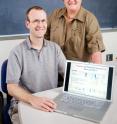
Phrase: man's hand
{"type": "Point", "coordinates": [42, 103]}
{"type": "Point", "coordinates": [96, 57]}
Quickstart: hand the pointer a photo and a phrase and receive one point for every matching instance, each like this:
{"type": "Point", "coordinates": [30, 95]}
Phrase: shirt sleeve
{"type": "Point", "coordinates": [61, 61]}
{"type": "Point", "coordinates": [93, 35]}
{"type": "Point", "coordinates": [13, 68]}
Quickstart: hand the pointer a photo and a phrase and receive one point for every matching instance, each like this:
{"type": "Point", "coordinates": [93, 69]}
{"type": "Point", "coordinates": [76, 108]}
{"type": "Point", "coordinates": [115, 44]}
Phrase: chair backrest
{"type": "Point", "coordinates": [3, 80]}
{"type": "Point", "coordinates": [3, 77]}
{"type": "Point", "coordinates": [6, 118]}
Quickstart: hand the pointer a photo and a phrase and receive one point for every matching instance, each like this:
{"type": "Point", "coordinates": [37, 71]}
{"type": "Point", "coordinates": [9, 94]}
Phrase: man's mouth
{"type": "Point", "coordinates": [39, 29]}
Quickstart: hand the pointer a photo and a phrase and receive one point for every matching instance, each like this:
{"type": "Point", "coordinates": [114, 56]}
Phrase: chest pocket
{"type": "Point", "coordinates": [54, 28]}
{"type": "Point", "coordinates": [78, 33]}
{"type": "Point", "coordinates": [57, 33]}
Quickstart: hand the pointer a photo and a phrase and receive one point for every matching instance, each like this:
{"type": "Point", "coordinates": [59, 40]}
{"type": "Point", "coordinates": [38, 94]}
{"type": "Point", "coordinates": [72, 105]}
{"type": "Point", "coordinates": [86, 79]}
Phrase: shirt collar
{"type": "Point", "coordinates": [80, 15]}
{"type": "Point", "coordinates": [29, 43]}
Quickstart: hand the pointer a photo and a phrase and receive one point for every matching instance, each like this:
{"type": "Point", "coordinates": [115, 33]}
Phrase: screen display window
{"type": "Point", "coordinates": [91, 80]}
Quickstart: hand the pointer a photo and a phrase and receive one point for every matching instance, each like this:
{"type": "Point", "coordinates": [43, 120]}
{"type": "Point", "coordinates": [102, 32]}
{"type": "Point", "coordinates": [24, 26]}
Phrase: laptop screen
{"type": "Point", "coordinates": [89, 79]}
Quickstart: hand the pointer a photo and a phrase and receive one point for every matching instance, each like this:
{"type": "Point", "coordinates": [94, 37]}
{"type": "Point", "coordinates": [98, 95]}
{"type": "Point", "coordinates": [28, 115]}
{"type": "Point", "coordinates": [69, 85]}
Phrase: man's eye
{"type": "Point", "coordinates": [36, 21]}
{"type": "Point", "coordinates": [43, 20]}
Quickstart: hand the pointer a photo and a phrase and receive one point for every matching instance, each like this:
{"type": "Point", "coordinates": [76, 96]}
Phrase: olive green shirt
{"type": "Point", "coordinates": [79, 38]}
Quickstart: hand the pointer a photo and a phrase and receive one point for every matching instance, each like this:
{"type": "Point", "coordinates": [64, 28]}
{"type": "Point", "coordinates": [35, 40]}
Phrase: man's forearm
{"type": "Point", "coordinates": [96, 57]}
{"type": "Point", "coordinates": [37, 102]}
{"type": "Point", "coordinates": [18, 92]}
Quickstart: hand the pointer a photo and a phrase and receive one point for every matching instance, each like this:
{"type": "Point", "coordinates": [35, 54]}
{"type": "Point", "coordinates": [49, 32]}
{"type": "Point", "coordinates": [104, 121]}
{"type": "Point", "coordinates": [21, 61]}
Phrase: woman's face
{"type": "Point", "coordinates": [72, 4]}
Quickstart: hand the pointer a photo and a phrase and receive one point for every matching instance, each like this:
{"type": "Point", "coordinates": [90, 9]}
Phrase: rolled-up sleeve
{"type": "Point", "coordinates": [93, 35]}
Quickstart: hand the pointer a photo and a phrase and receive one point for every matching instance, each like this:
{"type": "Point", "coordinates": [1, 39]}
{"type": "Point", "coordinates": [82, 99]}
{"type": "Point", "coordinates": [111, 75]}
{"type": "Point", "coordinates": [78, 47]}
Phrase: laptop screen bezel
{"type": "Point", "coordinates": [110, 78]}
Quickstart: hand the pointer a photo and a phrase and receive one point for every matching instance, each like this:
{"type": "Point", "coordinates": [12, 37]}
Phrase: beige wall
{"type": "Point", "coordinates": [110, 41]}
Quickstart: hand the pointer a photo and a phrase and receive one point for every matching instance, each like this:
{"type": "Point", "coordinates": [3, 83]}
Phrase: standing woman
{"type": "Point", "coordinates": [77, 32]}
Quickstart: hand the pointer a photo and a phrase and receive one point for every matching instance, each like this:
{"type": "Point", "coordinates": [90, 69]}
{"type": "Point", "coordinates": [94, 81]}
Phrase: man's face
{"type": "Point", "coordinates": [72, 4]}
{"type": "Point", "coordinates": [37, 23]}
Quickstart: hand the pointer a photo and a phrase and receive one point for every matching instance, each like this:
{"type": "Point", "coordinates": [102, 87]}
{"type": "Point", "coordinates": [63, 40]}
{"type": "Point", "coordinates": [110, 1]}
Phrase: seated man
{"type": "Point", "coordinates": [33, 66]}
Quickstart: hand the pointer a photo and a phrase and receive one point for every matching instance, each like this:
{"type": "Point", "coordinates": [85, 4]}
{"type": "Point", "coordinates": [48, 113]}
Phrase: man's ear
{"type": "Point", "coordinates": [27, 24]}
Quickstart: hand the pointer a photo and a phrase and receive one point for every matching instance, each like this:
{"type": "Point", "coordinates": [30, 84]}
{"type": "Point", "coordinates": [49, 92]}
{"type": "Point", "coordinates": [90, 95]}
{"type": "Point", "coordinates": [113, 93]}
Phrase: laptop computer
{"type": "Point", "coordinates": [87, 90]}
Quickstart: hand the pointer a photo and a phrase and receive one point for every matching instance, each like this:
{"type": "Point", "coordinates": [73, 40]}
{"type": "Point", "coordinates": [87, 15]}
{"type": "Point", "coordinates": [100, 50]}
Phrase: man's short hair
{"type": "Point", "coordinates": [31, 8]}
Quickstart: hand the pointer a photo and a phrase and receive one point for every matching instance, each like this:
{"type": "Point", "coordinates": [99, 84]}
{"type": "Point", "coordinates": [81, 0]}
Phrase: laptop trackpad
{"type": "Point", "coordinates": [68, 109]}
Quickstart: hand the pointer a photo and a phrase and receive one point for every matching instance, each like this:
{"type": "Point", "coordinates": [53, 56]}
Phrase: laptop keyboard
{"type": "Point", "coordinates": [73, 100]}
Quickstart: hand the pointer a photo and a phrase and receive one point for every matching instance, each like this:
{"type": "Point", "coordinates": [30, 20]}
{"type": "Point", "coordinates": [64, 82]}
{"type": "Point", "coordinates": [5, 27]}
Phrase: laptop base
{"type": "Point", "coordinates": [81, 111]}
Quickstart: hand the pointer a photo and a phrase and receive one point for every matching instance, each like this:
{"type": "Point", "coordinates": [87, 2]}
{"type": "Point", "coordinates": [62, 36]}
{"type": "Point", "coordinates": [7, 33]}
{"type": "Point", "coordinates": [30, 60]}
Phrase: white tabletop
{"type": "Point", "coordinates": [29, 115]}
